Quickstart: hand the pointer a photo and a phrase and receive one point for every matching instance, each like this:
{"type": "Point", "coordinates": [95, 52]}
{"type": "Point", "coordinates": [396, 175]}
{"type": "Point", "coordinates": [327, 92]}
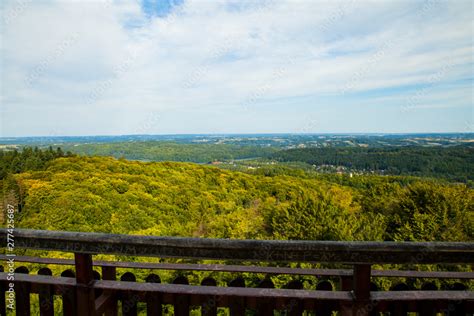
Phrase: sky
{"type": "Point", "coordinates": [235, 66]}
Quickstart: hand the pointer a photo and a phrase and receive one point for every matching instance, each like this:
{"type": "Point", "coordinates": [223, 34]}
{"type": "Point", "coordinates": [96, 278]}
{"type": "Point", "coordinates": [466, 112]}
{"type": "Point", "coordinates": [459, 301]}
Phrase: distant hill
{"type": "Point", "coordinates": [260, 140]}
{"type": "Point", "coordinates": [170, 151]}
{"type": "Point", "coordinates": [452, 163]}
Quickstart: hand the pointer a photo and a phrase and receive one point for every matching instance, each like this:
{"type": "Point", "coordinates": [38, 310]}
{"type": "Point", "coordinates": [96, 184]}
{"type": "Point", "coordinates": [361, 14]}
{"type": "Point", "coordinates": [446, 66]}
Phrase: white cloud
{"type": "Point", "coordinates": [99, 57]}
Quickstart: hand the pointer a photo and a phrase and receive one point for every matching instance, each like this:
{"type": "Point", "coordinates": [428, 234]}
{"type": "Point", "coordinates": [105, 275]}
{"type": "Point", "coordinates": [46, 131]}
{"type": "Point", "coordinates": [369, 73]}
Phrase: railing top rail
{"type": "Point", "coordinates": [351, 252]}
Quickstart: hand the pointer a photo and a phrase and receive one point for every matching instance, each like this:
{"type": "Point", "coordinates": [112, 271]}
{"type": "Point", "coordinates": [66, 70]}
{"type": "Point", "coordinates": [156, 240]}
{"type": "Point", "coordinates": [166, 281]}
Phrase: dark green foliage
{"type": "Point", "coordinates": [27, 159]}
{"type": "Point", "coordinates": [169, 151]}
{"type": "Point", "coordinates": [453, 163]}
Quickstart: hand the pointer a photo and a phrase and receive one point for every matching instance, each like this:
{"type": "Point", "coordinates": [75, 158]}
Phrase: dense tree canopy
{"type": "Point", "coordinates": [454, 163]}
{"type": "Point", "coordinates": [169, 198]}
{"type": "Point", "coordinates": [28, 159]}
{"type": "Point", "coordinates": [170, 151]}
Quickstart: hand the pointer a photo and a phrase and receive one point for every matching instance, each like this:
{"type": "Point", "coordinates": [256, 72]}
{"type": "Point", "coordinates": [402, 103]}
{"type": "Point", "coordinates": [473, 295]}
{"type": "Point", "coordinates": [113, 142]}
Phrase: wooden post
{"type": "Point", "coordinates": [324, 308]}
{"type": "Point", "coordinates": [85, 279]}
{"type": "Point", "coordinates": [181, 302]}
{"type": "Point", "coordinates": [346, 283]}
{"type": "Point", "coordinates": [237, 304]}
{"type": "Point", "coordinates": [209, 307]}
{"type": "Point", "coordinates": [153, 301]}
{"type": "Point", "coordinates": [361, 286]}
{"type": "Point", "coordinates": [46, 303]}
{"type": "Point", "coordinates": [395, 308]}
{"type": "Point", "coordinates": [295, 306]}
{"type": "Point", "coordinates": [110, 273]}
{"type": "Point", "coordinates": [265, 306]}
{"type": "Point", "coordinates": [129, 300]}
{"type": "Point", "coordinates": [69, 295]}
{"type": "Point", "coordinates": [22, 295]}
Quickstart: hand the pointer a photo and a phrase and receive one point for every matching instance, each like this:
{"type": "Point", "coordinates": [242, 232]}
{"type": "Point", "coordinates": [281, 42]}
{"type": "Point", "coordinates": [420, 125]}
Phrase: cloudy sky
{"type": "Point", "coordinates": [201, 66]}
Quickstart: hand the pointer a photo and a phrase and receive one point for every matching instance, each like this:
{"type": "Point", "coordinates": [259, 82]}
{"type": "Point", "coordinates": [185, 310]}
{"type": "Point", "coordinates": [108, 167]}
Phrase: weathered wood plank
{"type": "Point", "coordinates": [251, 269]}
{"type": "Point", "coordinates": [422, 295]}
{"type": "Point", "coordinates": [223, 291]}
{"type": "Point", "coordinates": [260, 250]}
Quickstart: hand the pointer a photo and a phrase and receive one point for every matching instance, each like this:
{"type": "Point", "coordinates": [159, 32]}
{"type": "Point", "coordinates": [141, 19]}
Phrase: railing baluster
{"type": "Point", "coordinates": [96, 276]}
{"type": "Point", "coordinates": [129, 300]}
{"type": "Point", "coordinates": [46, 295]}
{"type": "Point", "coordinates": [84, 291]}
{"type": "Point", "coordinates": [295, 306]}
{"type": "Point", "coordinates": [265, 306]}
{"type": "Point", "coordinates": [323, 308]}
{"type": "Point", "coordinates": [153, 301]}
{"type": "Point", "coordinates": [181, 305]}
{"type": "Point", "coordinates": [237, 304]}
{"type": "Point", "coordinates": [373, 305]}
{"type": "Point", "coordinates": [209, 307]}
{"type": "Point", "coordinates": [110, 273]}
{"type": "Point", "coordinates": [22, 295]}
{"type": "Point", "coordinates": [397, 309]}
{"type": "Point", "coordinates": [69, 295]}
{"type": "Point", "coordinates": [457, 307]}
{"type": "Point", "coordinates": [428, 308]}
{"type": "Point", "coordinates": [347, 283]}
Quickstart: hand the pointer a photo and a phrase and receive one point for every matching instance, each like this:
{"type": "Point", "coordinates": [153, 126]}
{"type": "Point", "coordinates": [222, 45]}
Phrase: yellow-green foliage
{"type": "Point", "coordinates": [169, 198]}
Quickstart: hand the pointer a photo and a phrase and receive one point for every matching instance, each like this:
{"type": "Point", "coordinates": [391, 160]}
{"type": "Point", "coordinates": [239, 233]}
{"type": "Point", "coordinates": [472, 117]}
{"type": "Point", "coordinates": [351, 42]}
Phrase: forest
{"type": "Point", "coordinates": [170, 151]}
{"type": "Point", "coordinates": [105, 194]}
{"type": "Point", "coordinates": [453, 163]}
{"type": "Point", "coordinates": [27, 159]}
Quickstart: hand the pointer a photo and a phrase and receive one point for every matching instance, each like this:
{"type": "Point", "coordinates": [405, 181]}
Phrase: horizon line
{"type": "Point", "coordinates": [241, 134]}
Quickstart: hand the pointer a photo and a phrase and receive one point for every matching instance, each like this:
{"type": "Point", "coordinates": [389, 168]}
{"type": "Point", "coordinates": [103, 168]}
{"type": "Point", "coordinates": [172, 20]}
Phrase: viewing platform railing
{"type": "Point", "coordinates": [84, 291]}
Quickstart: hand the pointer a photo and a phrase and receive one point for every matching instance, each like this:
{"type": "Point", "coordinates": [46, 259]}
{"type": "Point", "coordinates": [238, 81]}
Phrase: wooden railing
{"type": "Point", "coordinates": [85, 292]}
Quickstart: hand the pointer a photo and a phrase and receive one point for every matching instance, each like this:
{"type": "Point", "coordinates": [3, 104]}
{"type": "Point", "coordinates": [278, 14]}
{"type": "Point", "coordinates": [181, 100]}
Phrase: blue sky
{"type": "Point", "coordinates": [227, 66]}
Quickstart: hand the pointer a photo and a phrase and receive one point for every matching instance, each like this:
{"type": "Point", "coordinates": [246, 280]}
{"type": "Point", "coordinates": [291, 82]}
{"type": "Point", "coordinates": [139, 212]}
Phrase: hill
{"type": "Point", "coordinates": [452, 163]}
{"type": "Point", "coordinates": [183, 199]}
{"type": "Point", "coordinates": [170, 151]}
